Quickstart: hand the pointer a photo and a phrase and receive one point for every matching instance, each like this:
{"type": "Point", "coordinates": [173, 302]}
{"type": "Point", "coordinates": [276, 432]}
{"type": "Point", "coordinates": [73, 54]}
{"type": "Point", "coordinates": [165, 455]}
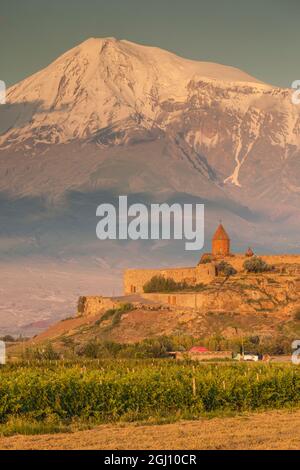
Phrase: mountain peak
{"type": "Point", "coordinates": [111, 114]}
{"type": "Point", "coordinates": [106, 82]}
{"type": "Point", "coordinates": [96, 42]}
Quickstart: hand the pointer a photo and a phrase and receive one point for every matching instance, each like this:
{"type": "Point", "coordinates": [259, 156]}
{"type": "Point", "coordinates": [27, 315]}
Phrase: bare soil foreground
{"type": "Point", "coordinates": [272, 430]}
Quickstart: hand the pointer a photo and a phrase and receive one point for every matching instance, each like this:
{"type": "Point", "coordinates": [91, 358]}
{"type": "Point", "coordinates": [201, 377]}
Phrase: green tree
{"type": "Point", "coordinates": [162, 284]}
{"type": "Point", "coordinates": [225, 268]}
{"type": "Point", "coordinates": [257, 265]}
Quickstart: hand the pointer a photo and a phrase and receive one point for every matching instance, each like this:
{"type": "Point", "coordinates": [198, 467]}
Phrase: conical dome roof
{"type": "Point", "coordinates": [221, 234]}
{"type": "Point", "coordinates": [249, 252]}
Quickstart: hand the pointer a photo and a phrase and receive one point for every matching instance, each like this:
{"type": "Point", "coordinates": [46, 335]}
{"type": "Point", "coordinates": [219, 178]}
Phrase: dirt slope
{"type": "Point", "coordinates": [272, 430]}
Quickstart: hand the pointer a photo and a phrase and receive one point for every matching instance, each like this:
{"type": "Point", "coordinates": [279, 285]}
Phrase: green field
{"type": "Point", "coordinates": [130, 390]}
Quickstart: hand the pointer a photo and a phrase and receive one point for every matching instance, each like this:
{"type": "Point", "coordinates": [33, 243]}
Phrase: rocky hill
{"type": "Point", "coordinates": [263, 305]}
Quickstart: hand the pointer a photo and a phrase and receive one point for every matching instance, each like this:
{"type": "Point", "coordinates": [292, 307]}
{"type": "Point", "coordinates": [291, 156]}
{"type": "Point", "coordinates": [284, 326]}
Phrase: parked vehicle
{"type": "Point", "coordinates": [248, 357]}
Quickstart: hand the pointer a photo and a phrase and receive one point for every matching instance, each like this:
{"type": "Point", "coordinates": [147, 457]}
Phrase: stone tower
{"type": "Point", "coordinates": [220, 242]}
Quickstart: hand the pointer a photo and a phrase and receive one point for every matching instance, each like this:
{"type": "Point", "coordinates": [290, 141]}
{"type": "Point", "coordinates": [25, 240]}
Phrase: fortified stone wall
{"type": "Point", "coordinates": [290, 262]}
{"type": "Point", "coordinates": [242, 293]}
{"type": "Point", "coordinates": [93, 305]}
{"type": "Point", "coordinates": [135, 279]}
{"type": "Point", "coordinates": [202, 301]}
{"type": "Point", "coordinates": [202, 356]}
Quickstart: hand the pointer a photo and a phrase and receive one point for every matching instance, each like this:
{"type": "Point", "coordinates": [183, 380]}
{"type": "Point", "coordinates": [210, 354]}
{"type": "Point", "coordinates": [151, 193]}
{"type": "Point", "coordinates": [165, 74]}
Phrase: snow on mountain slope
{"type": "Point", "coordinates": [103, 81]}
{"type": "Point", "coordinates": [111, 92]}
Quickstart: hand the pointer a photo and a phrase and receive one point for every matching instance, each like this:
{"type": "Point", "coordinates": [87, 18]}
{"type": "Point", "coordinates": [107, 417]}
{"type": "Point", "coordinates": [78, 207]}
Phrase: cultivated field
{"type": "Point", "coordinates": [55, 394]}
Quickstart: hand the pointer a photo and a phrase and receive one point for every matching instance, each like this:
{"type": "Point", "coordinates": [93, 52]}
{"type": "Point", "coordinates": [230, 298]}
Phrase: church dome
{"type": "Point", "coordinates": [221, 234]}
{"type": "Point", "coordinates": [221, 242]}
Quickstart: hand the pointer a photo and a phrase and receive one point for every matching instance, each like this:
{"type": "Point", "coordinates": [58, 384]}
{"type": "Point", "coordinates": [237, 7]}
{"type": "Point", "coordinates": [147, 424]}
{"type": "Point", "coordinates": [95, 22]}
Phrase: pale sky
{"type": "Point", "coordinates": [260, 37]}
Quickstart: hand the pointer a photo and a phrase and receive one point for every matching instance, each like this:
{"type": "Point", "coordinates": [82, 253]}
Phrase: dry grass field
{"type": "Point", "coordinates": [270, 430]}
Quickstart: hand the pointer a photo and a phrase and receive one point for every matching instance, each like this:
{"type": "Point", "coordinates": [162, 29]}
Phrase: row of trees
{"type": "Point", "coordinates": [159, 347]}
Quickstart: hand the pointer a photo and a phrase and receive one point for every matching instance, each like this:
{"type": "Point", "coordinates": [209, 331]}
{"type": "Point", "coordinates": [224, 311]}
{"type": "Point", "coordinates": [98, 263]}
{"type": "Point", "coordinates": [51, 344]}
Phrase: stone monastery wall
{"type": "Point", "coordinates": [134, 279]}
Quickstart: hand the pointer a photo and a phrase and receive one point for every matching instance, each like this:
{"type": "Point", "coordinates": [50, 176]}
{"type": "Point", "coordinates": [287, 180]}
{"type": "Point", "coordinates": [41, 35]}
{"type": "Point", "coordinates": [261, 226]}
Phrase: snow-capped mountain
{"type": "Point", "coordinates": [116, 116]}
{"type": "Point", "coordinates": [103, 81]}
{"type": "Point", "coordinates": [233, 129]}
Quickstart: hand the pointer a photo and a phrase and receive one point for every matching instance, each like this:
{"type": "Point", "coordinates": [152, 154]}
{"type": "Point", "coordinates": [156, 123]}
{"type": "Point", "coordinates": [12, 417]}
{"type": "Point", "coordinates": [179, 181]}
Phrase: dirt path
{"type": "Point", "coordinates": [272, 430]}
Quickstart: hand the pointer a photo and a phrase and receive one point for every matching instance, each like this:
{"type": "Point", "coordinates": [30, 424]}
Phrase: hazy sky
{"type": "Point", "coordinates": [261, 37]}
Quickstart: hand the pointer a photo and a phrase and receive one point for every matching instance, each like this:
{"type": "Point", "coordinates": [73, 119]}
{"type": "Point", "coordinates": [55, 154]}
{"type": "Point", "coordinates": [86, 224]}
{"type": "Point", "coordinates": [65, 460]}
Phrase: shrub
{"type": "Point", "coordinates": [115, 313]}
{"type": "Point", "coordinates": [8, 339]}
{"type": "Point", "coordinates": [95, 349]}
{"type": "Point", "coordinates": [225, 268]}
{"type": "Point", "coordinates": [90, 349]}
{"type": "Point", "coordinates": [297, 314]}
{"type": "Point", "coordinates": [162, 284]}
{"type": "Point", "coordinates": [257, 265]}
{"type": "Point", "coordinates": [46, 353]}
